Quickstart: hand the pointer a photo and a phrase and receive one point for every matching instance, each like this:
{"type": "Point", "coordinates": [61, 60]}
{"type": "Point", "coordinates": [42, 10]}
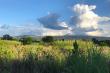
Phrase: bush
{"type": "Point", "coordinates": [26, 40]}
{"type": "Point", "coordinates": [48, 39]}
{"type": "Point", "coordinates": [94, 40]}
{"type": "Point", "coordinates": [75, 45]}
{"type": "Point", "coordinates": [7, 37]}
{"type": "Point", "coordinates": [101, 42]}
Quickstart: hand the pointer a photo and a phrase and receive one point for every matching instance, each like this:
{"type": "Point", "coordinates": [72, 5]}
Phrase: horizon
{"type": "Point", "coordinates": [55, 18]}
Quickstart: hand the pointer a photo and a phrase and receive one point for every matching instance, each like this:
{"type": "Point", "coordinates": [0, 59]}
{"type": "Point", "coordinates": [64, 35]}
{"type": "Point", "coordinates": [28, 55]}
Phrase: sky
{"type": "Point", "coordinates": [55, 17]}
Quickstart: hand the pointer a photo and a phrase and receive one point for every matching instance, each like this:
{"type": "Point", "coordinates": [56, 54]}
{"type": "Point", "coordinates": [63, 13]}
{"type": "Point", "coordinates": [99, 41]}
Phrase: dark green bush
{"type": "Point", "coordinates": [48, 39]}
{"type": "Point", "coordinates": [75, 45]}
{"type": "Point", "coordinates": [7, 37]}
{"type": "Point", "coordinates": [26, 40]}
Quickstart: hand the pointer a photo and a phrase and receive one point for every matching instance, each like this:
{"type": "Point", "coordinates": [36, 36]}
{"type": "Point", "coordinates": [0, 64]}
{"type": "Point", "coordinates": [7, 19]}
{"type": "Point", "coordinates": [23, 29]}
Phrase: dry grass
{"type": "Point", "coordinates": [55, 58]}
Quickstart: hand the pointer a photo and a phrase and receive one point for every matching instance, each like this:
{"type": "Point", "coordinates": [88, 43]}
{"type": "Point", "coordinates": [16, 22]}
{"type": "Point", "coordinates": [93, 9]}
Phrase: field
{"type": "Point", "coordinates": [58, 57]}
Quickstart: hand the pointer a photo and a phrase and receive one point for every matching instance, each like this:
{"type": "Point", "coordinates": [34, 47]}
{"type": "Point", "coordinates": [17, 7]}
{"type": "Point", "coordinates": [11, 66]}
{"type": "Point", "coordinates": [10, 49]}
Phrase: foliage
{"type": "Point", "coordinates": [75, 45]}
{"type": "Point", "coordinates": [7, 37]}
{"type": "Point", "coordinates": [56, 58]}
{"type": "Point", "coordinates": [26, 40]}
{"type": "Point", "coordinates": [101, 42]}
{"type": "Point", "coordinates": [47, 39]}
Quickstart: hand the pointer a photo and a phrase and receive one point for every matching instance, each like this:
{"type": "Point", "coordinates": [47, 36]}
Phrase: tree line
{"type": "Point", "coordinates": [49, 39]}
{"type": "Point", "coordinates": [28, 40]}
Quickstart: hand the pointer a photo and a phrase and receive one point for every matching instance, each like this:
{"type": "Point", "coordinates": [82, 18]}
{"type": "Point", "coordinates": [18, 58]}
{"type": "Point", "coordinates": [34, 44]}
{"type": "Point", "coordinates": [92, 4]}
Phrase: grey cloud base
{"type": "Point", "coordinates": [51, 21]}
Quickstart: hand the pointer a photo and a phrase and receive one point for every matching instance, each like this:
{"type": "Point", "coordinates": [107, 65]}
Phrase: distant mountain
{"type": "Point", "coordinates": [81, 37]}
{"type": "Point", "coordinates": [67, 37]}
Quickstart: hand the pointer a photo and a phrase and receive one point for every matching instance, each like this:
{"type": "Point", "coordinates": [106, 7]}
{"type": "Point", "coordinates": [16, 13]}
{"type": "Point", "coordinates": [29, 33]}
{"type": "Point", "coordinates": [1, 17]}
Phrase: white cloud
{"type": "Point", "coordinates": [101, 19]}
{"type": "Point", "coordinates": [95, 33]}
{"type": "Point", "coordinates": [81, 8]}
{"type": "Point", "coordinates": [52, 32]}
{"type": "Point", "coordinates": [86, 18]}
{"type": "Point", "coordinates": [86, 21]}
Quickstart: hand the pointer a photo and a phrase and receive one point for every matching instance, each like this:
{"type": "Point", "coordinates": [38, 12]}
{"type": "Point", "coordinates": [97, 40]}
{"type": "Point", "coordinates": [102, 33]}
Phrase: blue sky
{"type": "Point", "coordinates": [22, 12]}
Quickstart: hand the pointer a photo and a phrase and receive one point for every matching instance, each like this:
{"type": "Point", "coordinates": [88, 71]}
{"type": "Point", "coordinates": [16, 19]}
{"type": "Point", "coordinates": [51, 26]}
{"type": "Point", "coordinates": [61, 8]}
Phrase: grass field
{"type": "Point", "coordinates": [58, 57]}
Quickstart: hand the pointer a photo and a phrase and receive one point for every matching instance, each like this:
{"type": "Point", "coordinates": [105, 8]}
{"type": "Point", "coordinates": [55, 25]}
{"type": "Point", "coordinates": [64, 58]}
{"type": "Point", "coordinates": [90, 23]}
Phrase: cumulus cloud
{"type": "Point", "coordinates": [86, 21]}
{"type": "Point", "coordinates": [85, 17]}
{"type": "Point", "coordinates": [51, 21]}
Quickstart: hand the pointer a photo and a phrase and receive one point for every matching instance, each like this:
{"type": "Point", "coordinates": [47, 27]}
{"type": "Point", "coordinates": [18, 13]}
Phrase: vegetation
{"type": "Point", "coordinates": [26, 40]}
{"type": "Point", "coordinates": [7, 37]}
{"type": "Point", "coordinates": [75, 45]}
{"type": "Point", "coordinates": [101, 42]}
{"type": "Point", "coordinates": [47, 39]}
{"type": "Point", "coordinates": [59, 57]}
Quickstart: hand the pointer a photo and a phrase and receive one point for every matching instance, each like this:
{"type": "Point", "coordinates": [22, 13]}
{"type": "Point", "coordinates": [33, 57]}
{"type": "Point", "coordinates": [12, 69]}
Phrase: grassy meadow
{"type": "Point", "coordinates": [58, 57]}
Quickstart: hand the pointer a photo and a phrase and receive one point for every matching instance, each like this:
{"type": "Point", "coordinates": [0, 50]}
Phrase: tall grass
{"type": "Point", "coordinates": [55, 58]}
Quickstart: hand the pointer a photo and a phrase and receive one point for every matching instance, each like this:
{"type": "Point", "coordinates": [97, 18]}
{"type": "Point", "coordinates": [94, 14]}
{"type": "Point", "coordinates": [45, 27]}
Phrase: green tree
{"type": "Point", "coordinates": [95, 41]}
{"type": "Point", "coordinates": [48, 39]}
{"type": "Point", "coordinates": [26, 40]}
{"type": "Point", "coordinates": [7, 37]}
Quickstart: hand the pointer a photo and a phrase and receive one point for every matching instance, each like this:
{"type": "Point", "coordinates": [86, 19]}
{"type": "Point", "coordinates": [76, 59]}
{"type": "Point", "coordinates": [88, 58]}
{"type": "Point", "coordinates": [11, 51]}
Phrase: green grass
{"type": "Point", "coordinates": [55, 58]}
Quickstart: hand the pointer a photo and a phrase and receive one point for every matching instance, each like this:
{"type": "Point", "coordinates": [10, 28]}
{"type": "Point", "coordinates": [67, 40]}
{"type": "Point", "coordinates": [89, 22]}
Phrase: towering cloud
{"type": "Point", "coordinates": [86, 20]}
{"type": "Point", "coordinates": [86, 17]}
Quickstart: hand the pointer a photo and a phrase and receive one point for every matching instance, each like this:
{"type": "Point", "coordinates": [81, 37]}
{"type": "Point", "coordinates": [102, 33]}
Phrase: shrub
{"type": "Point", "coordinates": [48, 39]}
{"type": "Point", "coordinates": [26, 40]}
{"type": "Point", "coordinates": [7, 37]}
{"type": "Point", "coordinates": [75, 45]}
